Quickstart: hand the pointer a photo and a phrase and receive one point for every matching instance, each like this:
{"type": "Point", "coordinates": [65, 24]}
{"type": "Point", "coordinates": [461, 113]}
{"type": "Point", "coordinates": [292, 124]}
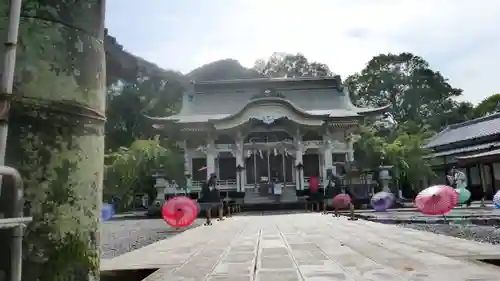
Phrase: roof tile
{"type": "Point", "coordinates": [477, 128]}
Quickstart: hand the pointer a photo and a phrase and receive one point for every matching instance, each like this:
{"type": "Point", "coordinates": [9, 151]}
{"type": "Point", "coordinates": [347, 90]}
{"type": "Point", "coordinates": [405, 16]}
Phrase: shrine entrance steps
{"type": "Point", "coordinates": [264, 195]}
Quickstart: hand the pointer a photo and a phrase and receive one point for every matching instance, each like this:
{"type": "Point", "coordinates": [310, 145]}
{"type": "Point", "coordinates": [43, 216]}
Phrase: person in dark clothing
{"type": "Point", "coordinates": [451, 178]}
{"type": "Point", "coordinates": [333, 188]}
{"type": "Point", "coordinates": [205, 203]}
{"type": "Point", "coordinates": [207, 199]}
{"type": "Point", "coordinates": [216, 200]}
{"type": "Point", "coordinates": [328, 194]}
{"type": "Point", "coordinates": [351, 205]}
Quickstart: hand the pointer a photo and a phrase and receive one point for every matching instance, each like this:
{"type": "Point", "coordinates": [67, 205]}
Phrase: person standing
{"type": "Point", "coordinates": [175, 186]}
{"type": "Point", "coordinates": [451, 177]}
{"type": "Point", "coordinates": [206, 198]}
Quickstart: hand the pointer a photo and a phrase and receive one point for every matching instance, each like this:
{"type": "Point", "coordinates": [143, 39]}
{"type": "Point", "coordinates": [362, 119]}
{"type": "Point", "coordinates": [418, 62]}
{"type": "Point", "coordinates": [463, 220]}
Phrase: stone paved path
{"type": "Point", "coordinates": [310, 247]}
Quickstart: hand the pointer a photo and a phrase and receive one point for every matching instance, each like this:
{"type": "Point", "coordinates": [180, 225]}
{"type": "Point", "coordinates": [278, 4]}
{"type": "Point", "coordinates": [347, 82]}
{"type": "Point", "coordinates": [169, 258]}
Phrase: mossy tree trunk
{"type": "Point", "coordinates": [56, 135]}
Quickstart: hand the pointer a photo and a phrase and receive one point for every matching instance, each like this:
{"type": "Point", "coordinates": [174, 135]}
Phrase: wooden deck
{"type": "Point", "coordinates": [310, 247]}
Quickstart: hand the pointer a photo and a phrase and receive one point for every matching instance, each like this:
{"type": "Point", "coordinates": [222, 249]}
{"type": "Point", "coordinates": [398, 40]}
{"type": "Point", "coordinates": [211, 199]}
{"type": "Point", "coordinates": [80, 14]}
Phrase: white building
{"type": "Point", "coordinates": [248, 130]}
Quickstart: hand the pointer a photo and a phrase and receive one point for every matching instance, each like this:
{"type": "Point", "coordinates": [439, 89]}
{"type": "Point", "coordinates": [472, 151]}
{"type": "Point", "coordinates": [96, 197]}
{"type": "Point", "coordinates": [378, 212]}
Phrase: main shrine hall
{"type": "Point", "coordinates": [254, 130]}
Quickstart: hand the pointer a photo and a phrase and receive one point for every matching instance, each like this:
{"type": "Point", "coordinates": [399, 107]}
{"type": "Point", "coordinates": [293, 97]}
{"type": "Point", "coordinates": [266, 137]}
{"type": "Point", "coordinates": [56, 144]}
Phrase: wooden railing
{"type": "Point", "coordinates": [221, 184]}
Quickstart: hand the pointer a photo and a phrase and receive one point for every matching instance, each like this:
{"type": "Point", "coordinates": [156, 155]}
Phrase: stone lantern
{"type": "Point", "coordinates": [385, 177]}
{"type": "Point", "coordinates": [160, 185]}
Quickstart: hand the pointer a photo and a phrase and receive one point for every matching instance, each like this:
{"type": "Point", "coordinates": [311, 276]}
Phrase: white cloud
{"type": "Point", "coordinates": [456, 36]}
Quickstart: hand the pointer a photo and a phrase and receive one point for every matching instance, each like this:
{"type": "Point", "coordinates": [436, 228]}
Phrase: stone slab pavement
{"type": "Point", "coordinates": [310, 247]}
{"type": "Point", "coordinates": [457, 215]}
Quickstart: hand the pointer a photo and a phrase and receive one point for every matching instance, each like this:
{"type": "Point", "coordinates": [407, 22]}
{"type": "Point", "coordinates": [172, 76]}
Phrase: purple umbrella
{"type": "Point", "coordinates": [382, 201]}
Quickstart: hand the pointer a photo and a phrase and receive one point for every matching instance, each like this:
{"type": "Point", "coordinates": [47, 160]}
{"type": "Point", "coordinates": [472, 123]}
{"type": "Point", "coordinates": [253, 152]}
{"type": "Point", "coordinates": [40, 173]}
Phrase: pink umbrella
{"type": "Point", "coordinates": [436, 200]}
{"type": "Point", "coordinates": [341, 201]}
{"type": "Point", "coordinates": [179, 211]}
{"type": "Point", "coordinates": [204, 168]}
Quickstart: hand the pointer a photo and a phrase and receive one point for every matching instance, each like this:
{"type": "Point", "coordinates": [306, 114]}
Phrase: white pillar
{"type": "Point", "coordinates": [217, 166]}
{"type": "Point", "coordinates": [321, 166]}
{"type": "Point", "coordinates": [299, 184]}
{"type": "Point", "coordinates": [238, 154]}
{"type": "Point", "coordinates": [244, 172]}
{"type": "Point", "coordinates": [327, 155]}
{"type": "Point", "coordinates": [211, 154]}
{"type": "Point", "coordinates": [283, 166]}
{"type": "Point", "coordinates": [350, 148]}
{"type": "Point", "coordinates": [188, 164]}
{"type": "Point", "coordinates": [239, 175]}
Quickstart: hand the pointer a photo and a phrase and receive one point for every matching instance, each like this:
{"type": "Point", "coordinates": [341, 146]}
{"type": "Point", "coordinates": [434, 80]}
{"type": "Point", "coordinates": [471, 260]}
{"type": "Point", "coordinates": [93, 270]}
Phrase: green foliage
{"type": "Point", "coordinates": [402, 149]}
{"type": "Point", "coordinates": [227, 69]}
{"type": "Point", "coordinates": [129, 102]}
{"type": "Point", "coordinates": [406, 82]}
{"type": "Point", "coordinates": [291, 66]}
{"type": "Point", "coordinates": [488, 106]}
{"type": "Point", "coordinates": [129, 170]}
{"type": "Point", "coordinates": [405, 152]}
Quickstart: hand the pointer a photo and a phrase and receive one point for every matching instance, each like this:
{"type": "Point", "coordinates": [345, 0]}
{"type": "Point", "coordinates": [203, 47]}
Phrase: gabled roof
{"type": "Point", "coordinates": [313, 97]}
{"type": "Point", "coordinates": [472, 129]}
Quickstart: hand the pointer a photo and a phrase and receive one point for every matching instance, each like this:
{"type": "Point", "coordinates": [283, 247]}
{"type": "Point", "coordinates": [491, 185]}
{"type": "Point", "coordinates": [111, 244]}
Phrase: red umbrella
{"type": "Point", "coordinates": [179, 211]}
{"type": "Point", "coordinates": [341, 201]}
{"type": "Point", "coordinates": [204, 168]}
{"type": "Point", "coordinates": [436, 200]}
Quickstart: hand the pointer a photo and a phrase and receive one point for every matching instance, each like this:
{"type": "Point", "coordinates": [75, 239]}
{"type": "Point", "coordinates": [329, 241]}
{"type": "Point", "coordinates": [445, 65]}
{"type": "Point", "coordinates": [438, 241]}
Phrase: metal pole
{"type": "Point", "coordinates": [8, 74]}
{"type": "Point", "coordinates": [17, 212]}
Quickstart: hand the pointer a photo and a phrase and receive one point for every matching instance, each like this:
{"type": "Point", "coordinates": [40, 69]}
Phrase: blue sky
{"type": "Point", "coordinates": [457, 37]}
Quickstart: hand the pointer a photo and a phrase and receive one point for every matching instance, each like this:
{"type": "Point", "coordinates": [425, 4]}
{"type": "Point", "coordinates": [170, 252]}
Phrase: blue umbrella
{"type": "Point", "coordinates": [107, 212]}
{"type": "Point", "coordinates": [382, 201]}
{"type": "Point", "coordinates": [496, 200]}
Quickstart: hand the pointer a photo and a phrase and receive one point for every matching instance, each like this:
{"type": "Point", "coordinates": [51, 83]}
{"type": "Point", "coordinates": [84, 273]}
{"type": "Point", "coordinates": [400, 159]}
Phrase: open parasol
{"type": "Point", "coordinates": [382, 201]}
{"type": "Point", "coordinates": [179, 211]}
{"type": "Point", "coordinates": [496, 200]}
{"type": "Point", "coordinates": [436, 200]}
{"type": "Point", "coordinates": [341, 201]}
{"type": "Point", "coordinates": [463, 195]}
{"type": "Point", "coordinates": [107, 212]}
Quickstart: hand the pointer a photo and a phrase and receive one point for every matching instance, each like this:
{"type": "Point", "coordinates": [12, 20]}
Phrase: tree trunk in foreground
{"type": "Point", "coordinates": [56, 136]}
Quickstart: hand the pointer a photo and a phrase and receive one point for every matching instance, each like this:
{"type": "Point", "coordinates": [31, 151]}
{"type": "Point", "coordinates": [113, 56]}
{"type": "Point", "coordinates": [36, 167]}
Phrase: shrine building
{"type": "Point", "coordinates": [254, 130]}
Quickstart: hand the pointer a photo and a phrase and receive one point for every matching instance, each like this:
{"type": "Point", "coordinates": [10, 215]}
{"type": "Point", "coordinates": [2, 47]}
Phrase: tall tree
{"type": "Point", "coordinates": [129, 169]}
{"type": "Point", "coordinates": [227, 69]}
{"type": "Point", "coordinates": [402, 149]}
{"type": "Point", "coordinates": [128, 103]}
{"type": "Point", "coordinates": [452, 112]}
{"type": "Point", "coordinates": [488, 106]}
{"type": "Point", "coordinates": [283, 65]}
{"type": "Point", "coordinates": [406, 82]}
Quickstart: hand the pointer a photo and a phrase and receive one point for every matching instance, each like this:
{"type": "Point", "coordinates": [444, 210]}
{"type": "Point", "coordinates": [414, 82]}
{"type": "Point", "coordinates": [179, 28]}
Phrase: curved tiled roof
{"type": "Point", "coordinates": [472, 129]}
{"type": "Point", "coordinates": [222, 100]}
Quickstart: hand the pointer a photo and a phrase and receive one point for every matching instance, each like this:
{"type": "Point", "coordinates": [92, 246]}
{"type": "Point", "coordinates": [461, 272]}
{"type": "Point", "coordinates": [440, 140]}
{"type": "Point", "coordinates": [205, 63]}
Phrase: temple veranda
{"type": "Point", "coordinates": [254, 130]}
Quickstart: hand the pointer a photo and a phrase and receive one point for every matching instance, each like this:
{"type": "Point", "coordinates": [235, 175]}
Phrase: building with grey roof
{"type": "Point", "coordinates": [470, 146]}
{"type": "Point", "coordinates": [253, 130]}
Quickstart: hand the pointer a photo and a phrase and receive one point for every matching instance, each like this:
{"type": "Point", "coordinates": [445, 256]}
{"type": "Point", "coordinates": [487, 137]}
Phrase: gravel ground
{"type": "Point", "coordinates": [122, 236]}
{"type": "Point", "coordinates": [480, 233]}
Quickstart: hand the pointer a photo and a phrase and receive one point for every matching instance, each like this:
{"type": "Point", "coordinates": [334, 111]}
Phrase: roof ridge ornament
{"type": "Point", "coordinates": [268, 93]}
